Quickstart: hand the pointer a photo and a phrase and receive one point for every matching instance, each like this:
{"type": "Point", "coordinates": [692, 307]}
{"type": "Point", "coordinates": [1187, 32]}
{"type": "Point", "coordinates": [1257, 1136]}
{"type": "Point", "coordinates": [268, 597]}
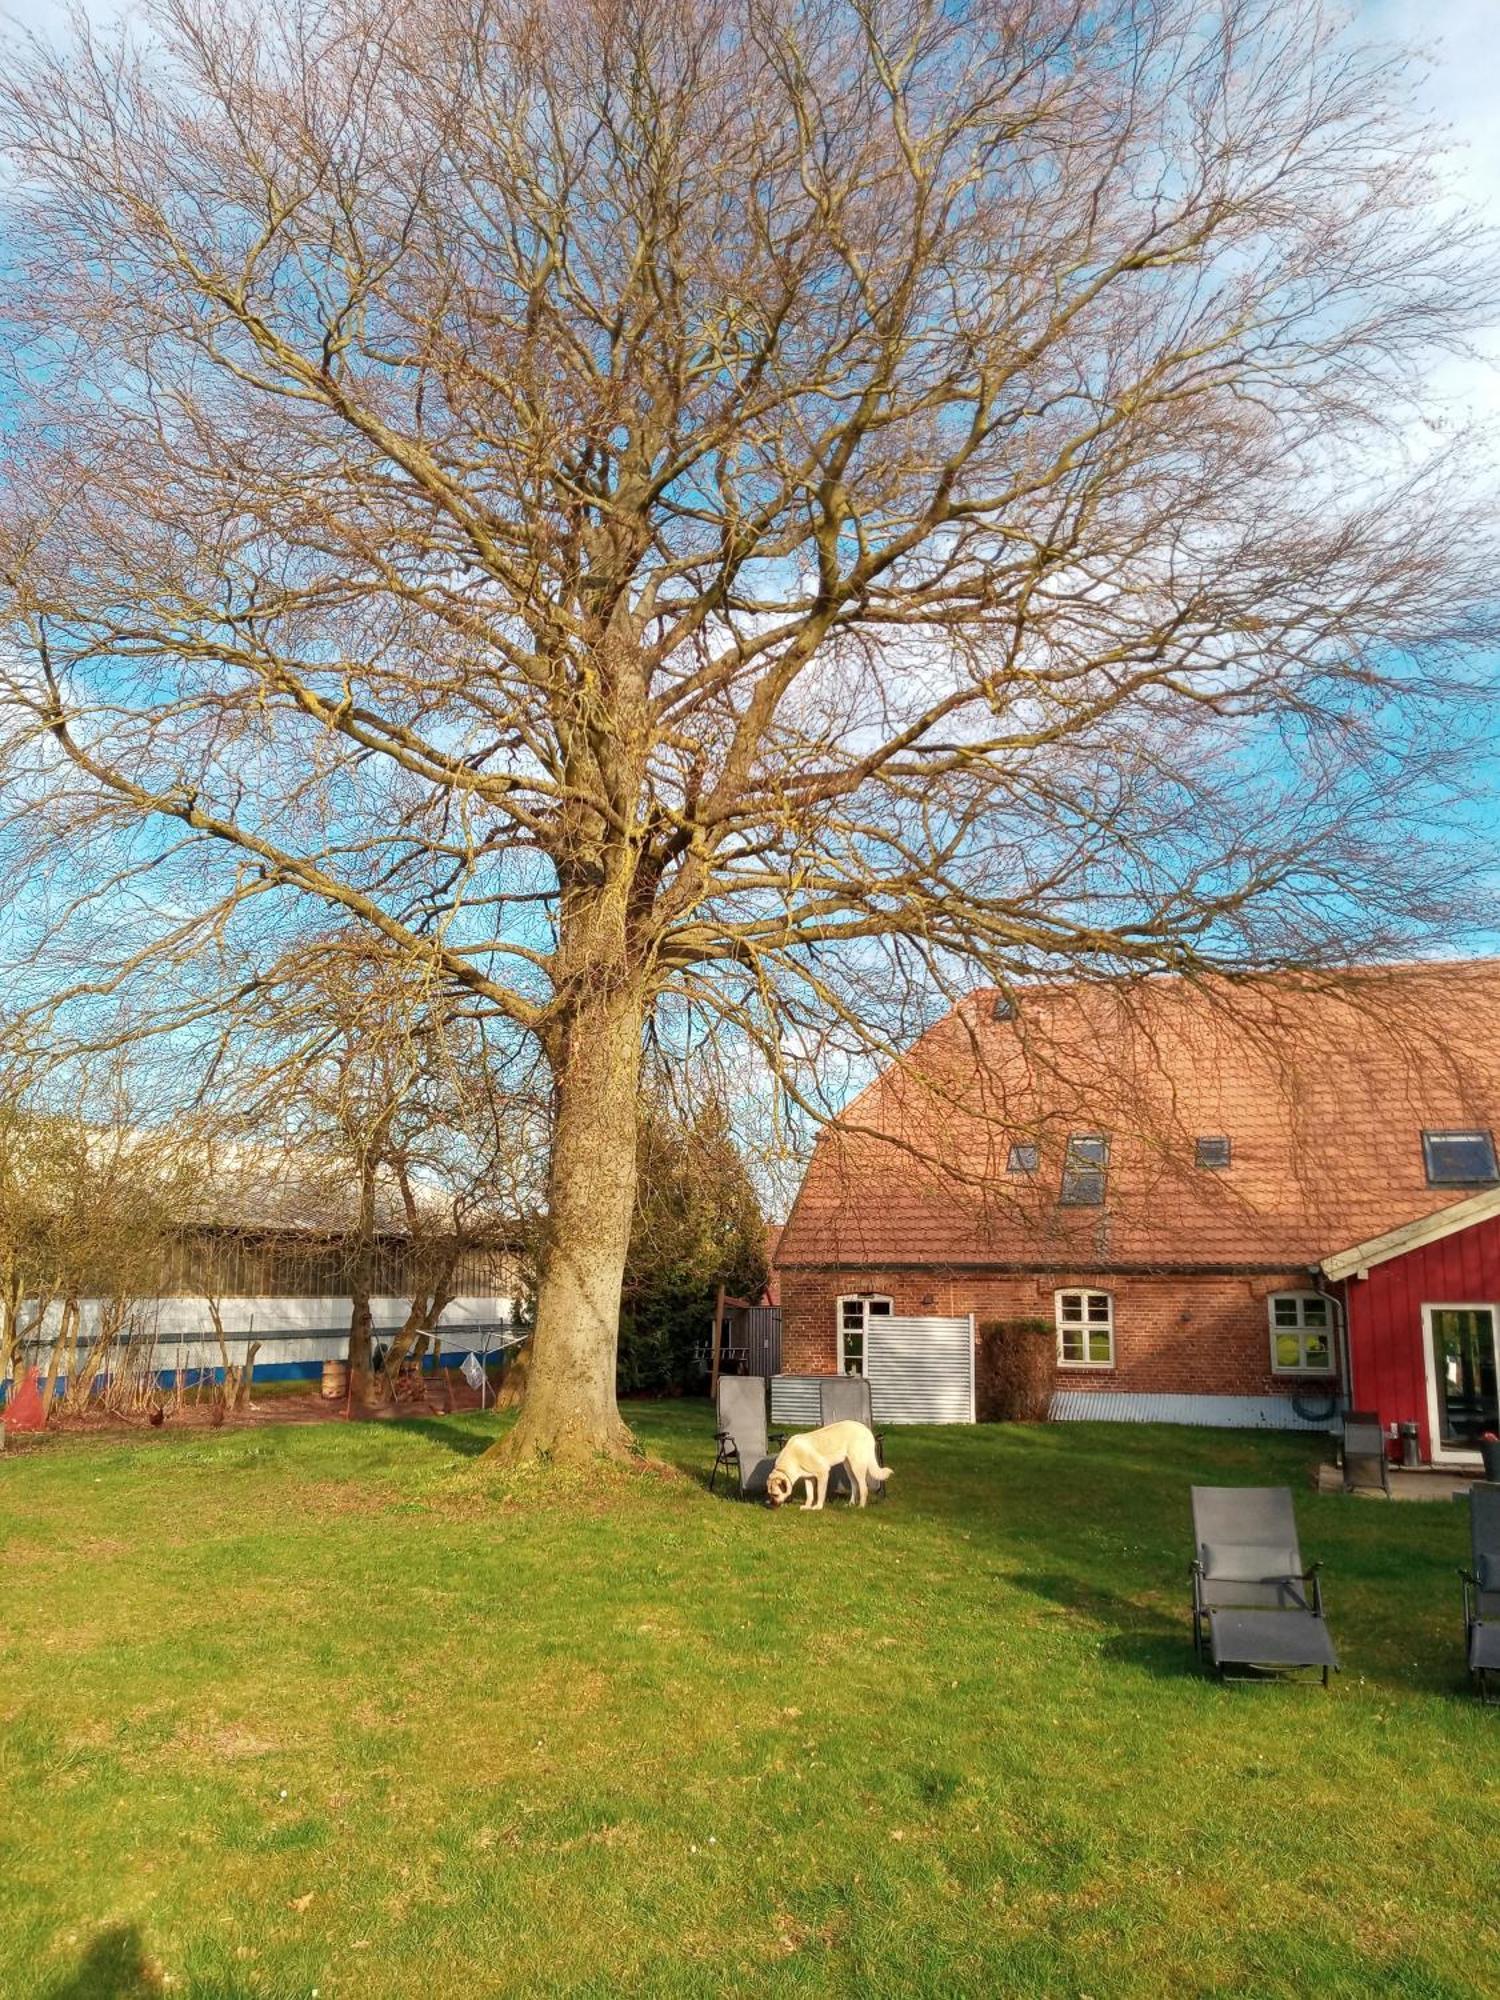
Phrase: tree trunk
{"type": "Point", "coordinates": [569, 1412]}
{"type": "Point", "coordinates": [425, 1310]}
{"type": "Point", "coordinates": [511, 1393]}
{"type": "Point", "coordinates": [361, 1342]}
{"type": "Point", "coordinates": [92, 1361]}
{"type": "Point", "coordinates": [361, 1284]}
{"type": "Point", "coordinates": [64, 1354]}
{"type": "Point", "coordinates": [244, 1374]}
{"type": "Point", "coordinates": [10, 1339]}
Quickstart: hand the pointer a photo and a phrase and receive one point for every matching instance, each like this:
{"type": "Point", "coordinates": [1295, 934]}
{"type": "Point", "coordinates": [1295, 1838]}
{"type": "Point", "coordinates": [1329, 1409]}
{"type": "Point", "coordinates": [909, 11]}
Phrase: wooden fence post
{"type": "Point", "coordinates": [713, 1373]}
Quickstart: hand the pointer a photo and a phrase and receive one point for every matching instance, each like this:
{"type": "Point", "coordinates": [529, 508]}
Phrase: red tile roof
{"type": "Point", "coordinates": [1322, 1084]}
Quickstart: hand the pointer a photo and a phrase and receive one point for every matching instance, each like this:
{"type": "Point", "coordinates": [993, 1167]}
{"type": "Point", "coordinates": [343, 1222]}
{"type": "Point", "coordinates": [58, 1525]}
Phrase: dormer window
{"type": "Point", "coordinates": [1004, 1008]}
{"type": "Point", "coordinates": [1085, 1168]}
{"type": "Point", "coordinates": [1212, 1153]}
{"type": "Point", "coordinates": [1023, 1158]}
{"type": "Point", "coordinates": [1459, 1159]}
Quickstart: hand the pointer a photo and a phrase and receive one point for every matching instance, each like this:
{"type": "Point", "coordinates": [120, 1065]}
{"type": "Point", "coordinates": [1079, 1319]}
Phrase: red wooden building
{"type": "Point", "coordinates": [1422, 1308]}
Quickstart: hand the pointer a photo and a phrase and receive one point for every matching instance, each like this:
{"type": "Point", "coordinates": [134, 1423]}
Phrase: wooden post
{"type": "Point", "coordinates": [713, 1373]}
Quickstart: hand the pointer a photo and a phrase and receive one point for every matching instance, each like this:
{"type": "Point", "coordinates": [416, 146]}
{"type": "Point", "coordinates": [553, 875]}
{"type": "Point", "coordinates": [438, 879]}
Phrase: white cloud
{"type": "Point", "coordinates": [1460, 40]}
{"type": "Point", "coordinates": [1457, 79]}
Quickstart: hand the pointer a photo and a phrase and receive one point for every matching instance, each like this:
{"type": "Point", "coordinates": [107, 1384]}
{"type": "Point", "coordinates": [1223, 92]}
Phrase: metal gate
{"type": "Point", "coordinates": [920, 1371]}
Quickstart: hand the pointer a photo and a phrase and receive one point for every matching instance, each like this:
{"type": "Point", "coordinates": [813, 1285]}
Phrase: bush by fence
{"type": "Point", "coordinates": [1013, 1379]}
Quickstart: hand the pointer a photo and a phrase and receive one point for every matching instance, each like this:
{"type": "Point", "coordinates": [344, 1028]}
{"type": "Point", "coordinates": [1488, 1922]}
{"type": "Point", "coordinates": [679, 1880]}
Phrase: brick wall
{"type": "Point", "coordinates": [1202, 1334]}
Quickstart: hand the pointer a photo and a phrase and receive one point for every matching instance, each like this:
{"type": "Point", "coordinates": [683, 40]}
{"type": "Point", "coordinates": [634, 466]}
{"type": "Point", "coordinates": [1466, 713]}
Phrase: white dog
{"type": "Point", "coordinates": [814, 1454]}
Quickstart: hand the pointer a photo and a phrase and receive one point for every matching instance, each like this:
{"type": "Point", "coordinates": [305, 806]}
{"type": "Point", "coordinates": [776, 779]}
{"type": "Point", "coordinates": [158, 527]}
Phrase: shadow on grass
{"type": "Point", "coordinates": [115, 1967]}
{"type": "Point", "coordinates": [451, 1432]}
{"type": "Point", "coordinates": [1144, 1636]}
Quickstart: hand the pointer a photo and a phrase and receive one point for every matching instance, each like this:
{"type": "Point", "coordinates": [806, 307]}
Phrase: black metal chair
{"type": "Point", "coordinates": [1364, 1456]}
{"type": "Point", "coordinates": [1481, 1587]}
{"type": "Point", "coordinates": [740, 1434]}
{"type": "Point", "coordinates": [1255, 1605]}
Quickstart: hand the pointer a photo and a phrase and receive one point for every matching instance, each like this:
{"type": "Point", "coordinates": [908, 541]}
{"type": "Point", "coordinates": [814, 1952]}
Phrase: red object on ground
{"type": "Point", "coordinates": [25, 1411]}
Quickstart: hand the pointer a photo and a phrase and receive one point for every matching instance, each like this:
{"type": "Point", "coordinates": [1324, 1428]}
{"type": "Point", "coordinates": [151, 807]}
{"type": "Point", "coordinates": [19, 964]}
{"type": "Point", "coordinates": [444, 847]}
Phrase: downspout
{"type": "Point", "coordinates": [1340, 1334]}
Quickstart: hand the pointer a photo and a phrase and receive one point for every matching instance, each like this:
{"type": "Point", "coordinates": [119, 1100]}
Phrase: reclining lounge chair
{"type": "Point", "coordinates": [741, 1434]}
{"type": "Point", "coordinates": [1482, 1589]}
{"type": "Point", "coordinates": [845, 1399]}
{"type": "Point", "coordinates": [1255, 1606]}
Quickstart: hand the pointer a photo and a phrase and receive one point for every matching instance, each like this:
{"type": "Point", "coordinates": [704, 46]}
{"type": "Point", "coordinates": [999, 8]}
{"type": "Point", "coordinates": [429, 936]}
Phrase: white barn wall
{"type": "Point", "coordinates": [293, 1332]}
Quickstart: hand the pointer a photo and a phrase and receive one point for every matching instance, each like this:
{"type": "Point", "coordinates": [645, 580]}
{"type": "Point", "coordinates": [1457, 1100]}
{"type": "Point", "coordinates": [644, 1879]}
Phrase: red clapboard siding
{"type": "Point", "coordinates": [1385, 1317]}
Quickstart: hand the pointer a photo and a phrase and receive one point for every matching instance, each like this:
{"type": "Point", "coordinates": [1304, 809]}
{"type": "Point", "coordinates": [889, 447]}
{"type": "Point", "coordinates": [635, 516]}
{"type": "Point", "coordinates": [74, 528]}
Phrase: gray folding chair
{"type": "Point", "coordinates": [1255, 1606]}
{"type": "Point", "coordinates": [740, 1433]}
{"type": "Point", "coordinates": [1365, 1462]}
{"type": "Point", "coordinates": [845, 1399]}
{"type": "Point", "coordinates": [1481, 1585]}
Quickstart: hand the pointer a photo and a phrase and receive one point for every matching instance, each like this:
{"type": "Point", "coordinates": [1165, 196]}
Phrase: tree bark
{"type": "Point", "coordinates": [570, 1412]}
{"type": "Point", "coordinates": [361, 1284]}
{"type": "Point", "coordinates": [62, 1360]}
{"type": "Point", "coordinates": [361, 1343]}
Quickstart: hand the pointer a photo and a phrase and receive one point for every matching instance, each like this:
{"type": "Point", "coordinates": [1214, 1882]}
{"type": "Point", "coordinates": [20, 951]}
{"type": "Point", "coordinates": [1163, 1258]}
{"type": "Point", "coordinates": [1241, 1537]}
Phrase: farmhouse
{"type": "Point", "coordinates": [1209, 1201]}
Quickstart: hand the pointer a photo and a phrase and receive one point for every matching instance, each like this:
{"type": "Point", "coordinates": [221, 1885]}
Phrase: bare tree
{"type": "Point", "coordinates": [722, 517]}
{"type": "Point", "coordinates": [87, 1215]}
{"type": "Point", "coordinates": [386, 1114]}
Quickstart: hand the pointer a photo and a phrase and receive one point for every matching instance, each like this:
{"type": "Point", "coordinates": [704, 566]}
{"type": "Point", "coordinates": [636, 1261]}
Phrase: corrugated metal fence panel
{"type": "Point", "coordinates": [921, 1371]}
{"type": "Point", "coordinates": [1270, 1413]}
{"type": "Point", "coordinates": [796, 1402]}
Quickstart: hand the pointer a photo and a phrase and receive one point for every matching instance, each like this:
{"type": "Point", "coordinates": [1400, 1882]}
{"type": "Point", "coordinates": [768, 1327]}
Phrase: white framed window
{"type": "Point", "coordinates": [855, 1314]}
{"type": "Point", "coordinates": [1301, 1333]}
{"type": "Point", "coordinates": [1085, 1330]}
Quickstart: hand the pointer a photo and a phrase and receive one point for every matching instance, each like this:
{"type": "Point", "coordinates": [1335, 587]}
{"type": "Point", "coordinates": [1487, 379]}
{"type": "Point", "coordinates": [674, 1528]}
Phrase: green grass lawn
{"type": "Point", "coordinates": [316, 1710]}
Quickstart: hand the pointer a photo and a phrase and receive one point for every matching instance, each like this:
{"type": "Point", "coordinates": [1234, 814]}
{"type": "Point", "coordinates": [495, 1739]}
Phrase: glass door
{"type": "Point", "coordinates": [1463, 1375]}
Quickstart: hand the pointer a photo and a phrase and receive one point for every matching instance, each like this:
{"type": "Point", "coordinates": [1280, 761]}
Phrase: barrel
{"type": "Point", "coordinates": [335, 1381]}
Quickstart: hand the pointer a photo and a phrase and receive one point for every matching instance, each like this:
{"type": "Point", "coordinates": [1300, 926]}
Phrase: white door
{"type": "Point", "coordinates": [1463, 1379]}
